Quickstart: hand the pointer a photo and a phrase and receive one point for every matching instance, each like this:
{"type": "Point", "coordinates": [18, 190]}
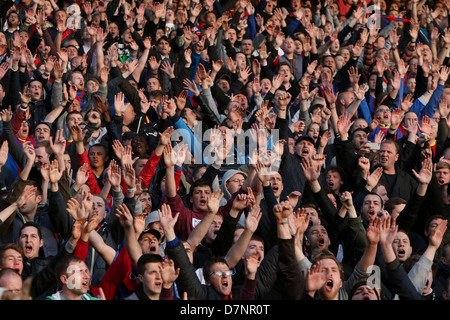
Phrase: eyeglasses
{"type": "Point", "coordinates": [237, 180]}
{"type": "Point", "coordinates": [220, 273]}
{"type": "Point", "coordinates": [383, 110]}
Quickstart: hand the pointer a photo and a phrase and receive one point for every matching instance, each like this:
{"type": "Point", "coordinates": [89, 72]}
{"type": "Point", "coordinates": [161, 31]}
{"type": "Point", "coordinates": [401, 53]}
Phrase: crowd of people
{"type": "Point", "coordinates": [224, 150]}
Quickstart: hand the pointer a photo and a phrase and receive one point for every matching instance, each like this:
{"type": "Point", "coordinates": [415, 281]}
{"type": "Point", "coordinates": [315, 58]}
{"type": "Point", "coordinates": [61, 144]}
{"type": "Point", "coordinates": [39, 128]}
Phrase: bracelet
{"type": "Point", "coordinates": [282, 222]}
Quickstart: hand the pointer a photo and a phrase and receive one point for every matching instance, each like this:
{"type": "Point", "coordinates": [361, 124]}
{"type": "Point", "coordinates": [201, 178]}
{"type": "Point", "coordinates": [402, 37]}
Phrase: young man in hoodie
{"type": "Point", "coordinates": [232, 181]}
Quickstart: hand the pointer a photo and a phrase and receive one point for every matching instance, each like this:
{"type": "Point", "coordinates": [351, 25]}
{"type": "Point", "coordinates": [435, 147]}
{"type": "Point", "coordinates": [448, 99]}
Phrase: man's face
{"type": "Point", "coordinates": [318, 237]}
{"type": "Point", "coordinates": [97, 157]}
{"type": "Point", "coordinates": [77, 80]}
{"type": "Point", "coordinates": [199, 198]}
{"type": "Point", "coordinates": [313, 216]}
{"type": "Point", "coordinates": [409, 116]}
{"type": "Point", "coordinates": [330, 289]}
{"type": "Point", "coordinates": [255, 246]}
{"type": "Point", "coordinates": [92, 86]}
{"type": "Point", "coordinates": [443, 176]}
{"type": "Point", "coordinates": [214, 228]}
{"type": "Point", "coordinates": [30, 242]}
{"type": "Point", "coordinates": [305, 149]}
{"type": "Point", "coordinates": [276, 182]}
{"type": "Point", "coordinates": [139, 145]}
{"type": "Point", "coordinates": [151, 279]}
{"type": "Point", "coordinates": [411, 85]}
{"type": "Point", "coordinates": [42, 157]}
{"type": "Point", "coordinates": [334, 180]}
{"type": "Point", "coordinates": [67, 162]}
{"type": "Point", "coordinates": [99, 205]}
{"type": "Point", "coordinates": [146, 202]}
{"type": "Point", "coordinates": [73, 119]}
{"type": "Point", "coordinates": [402, 246]}
{"type": "Point", "coordinates": [413, 66]}
{"type": "Point", "coordinates": [382, 192]}
{"type": "Point", "coordinates": [24, 130]}
{"type": "Point", "coordinates": [370, 207]}
{"type": "Point", "coordinates": [384, 114]}
{"type": "Point", "coordinates": [397, 210]}
{"type": "Point", "coordinates": [42, 132]}
{"type": "Point", "coordinates": [432, 227]}
{"type": "Point", "coordinates": [241, 61]}
{"type": "Point", "coordinates": [223, 85]}
{"type": "Point", "coordinates": [388, 155]}
{"type": "Point", "coordinates": [13, 260]}
{"type": "Point", "coordinates": [190, 117]}
{"type": "Point", "coordinates": [286, 71]}
{"type": "Point", "coordinates": [13, 19]}
{"type": "Point", "coordinates": [365, 293]}
{"type": "Point", "coordinates": [235, 183]}
{"type": "Point", "coordinates": [140, 163]}
{"type": "Point", "coordinates": [153, 84]}
{"type": "Point", "coordinates": [358, 139]}
{"type": "Point", "coordinates": [149, 243]}
{"type": "Point", "coordinates": [164, 47]}
{"type": "Point", "coordinates": [232, 35]}
{"type": "Point", "coordinates": [35, 90]}
{"type": "Point", "coordinates": [288, 45]}
{"type": "Point", "coordinates": [113, 30]}
{"type": "Point", "coordinates": [223, 283]}
{"type": "Point", "coordinates": [247, 46]}
{"type": "Point", "coordinates": [77, 273]}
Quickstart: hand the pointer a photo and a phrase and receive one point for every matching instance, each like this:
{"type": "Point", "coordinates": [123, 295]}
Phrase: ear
{"type": "Point", "coordinates": [41, 243]}
{"type": "Point", "coordinates": [396, 157]}
{"type": "Point", "coordinates": [63, 279]}
{"type": "Point", "coordinates": [39, 198]}
{"type": "Point", "coordinates": [140, 278]}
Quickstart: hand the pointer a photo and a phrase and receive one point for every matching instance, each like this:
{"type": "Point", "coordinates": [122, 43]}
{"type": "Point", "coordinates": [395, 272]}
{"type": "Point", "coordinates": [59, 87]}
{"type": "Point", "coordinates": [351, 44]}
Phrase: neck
{"type": "Point", "coordinates": [29, 216]}
{"type": "Point", "coordinates": [151, 295]}
{"type": "Point", "coordinates": [98, 171]}
{"type": "Point", "coordinates": [70, 295]}
{"type": "Point", "coordinates": [390, 170]}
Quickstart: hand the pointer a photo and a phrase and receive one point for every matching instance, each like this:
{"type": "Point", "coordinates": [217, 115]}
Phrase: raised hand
{"type": "Point", "coordinates": [55, 172]}
{"type": "Point", "coordinates": [213, 201]}
{"type": "Point", "coordinates": [426, 172]}
{"type": "Point", "coordinates": [59, 146]}
{"type": "Point", "coordinates": [113, 174]}
{"type": "Point", "coordinates": [253, 217]}
{"type": "Point", "coordinates": [28, 192]}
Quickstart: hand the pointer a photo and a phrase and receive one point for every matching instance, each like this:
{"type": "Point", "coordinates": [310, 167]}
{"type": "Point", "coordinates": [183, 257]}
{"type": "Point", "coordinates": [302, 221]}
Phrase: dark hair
{"type": "Point", "coordinates": [335, 168]}
{"type": "Point", "coordinates": [392, 202]}
{"type": "Point", "coordinates": [200, 183]}
{"type": "Point", "coordinates": [147, 258]}
{"type": "Point", "coordinates": [375, 194]}
{"type": "Point", "coordinates": [32, 224]}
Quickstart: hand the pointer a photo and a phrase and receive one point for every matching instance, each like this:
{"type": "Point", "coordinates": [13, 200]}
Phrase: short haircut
{"type": "Point", "coordinates": [32, 224]}
{"type": "Point", "coordinates": [200, 183]}
{"type": "Point", "coordinates": [45, 144]}
{"type": "Point", "coordinates": [7, 246]}
{"type": "Point", "coordinates": [375, 194]}
{"type": "Point", "coordinates": [392, 202]}
{"type": "Point", "coordinates": [321, 254]}
{"type": "Point", "coordinates": [63, 264]}
{"type": "Point", "coordinates": [147, 258]}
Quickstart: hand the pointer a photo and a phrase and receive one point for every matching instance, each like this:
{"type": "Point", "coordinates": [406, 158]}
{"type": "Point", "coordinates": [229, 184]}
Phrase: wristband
{"type": "Point", "coordinates": [130, 190]}
{"type": "Point", "coordinates": [282, 222]}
